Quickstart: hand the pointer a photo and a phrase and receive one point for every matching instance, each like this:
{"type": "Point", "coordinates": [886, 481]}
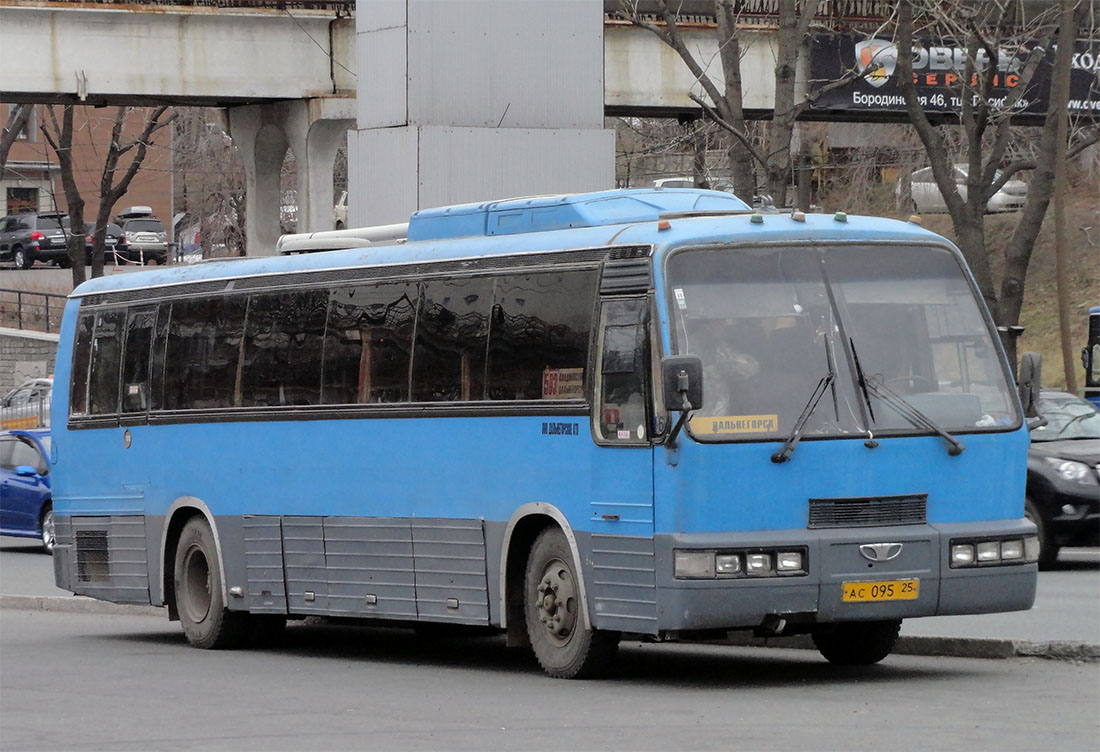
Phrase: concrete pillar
{"type": "Point", "coordinates": [313, 130]}
{"type": "Point", "coordinates": [257, 131]}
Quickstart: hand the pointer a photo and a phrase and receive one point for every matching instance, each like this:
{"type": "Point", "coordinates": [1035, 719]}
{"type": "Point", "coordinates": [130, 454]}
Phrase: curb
{"type": "Point", "coordinates": [942, 647]}
{"type": "Point", "coordinates": [76, 604]}
{"type": "Point", "coordinates": [950, 647]}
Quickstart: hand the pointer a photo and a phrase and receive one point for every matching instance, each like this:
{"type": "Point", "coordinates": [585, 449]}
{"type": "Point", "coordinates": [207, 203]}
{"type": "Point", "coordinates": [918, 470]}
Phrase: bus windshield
{"type": "Point", "coordinates": [771, 325]}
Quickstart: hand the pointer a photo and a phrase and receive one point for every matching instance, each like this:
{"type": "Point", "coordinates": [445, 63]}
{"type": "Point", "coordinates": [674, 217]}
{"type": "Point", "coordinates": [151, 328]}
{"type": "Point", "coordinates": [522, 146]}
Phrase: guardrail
{"type": "Point", "coordinates": [34, 311]}
{"type": "Point", "coordinates": [33, 414]}
{"type": "Point", "coordinates": [342, 6]}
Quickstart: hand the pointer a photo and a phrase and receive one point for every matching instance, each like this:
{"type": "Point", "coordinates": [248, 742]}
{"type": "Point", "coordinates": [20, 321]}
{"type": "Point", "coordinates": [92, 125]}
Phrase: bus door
{"type": "Point", "coordinates": [621, 582]}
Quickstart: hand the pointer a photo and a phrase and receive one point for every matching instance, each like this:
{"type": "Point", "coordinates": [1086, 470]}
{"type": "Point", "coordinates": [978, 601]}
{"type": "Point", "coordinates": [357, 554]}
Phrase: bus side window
{"type": "Point", "coordinates": [82, 357]}
{"type": "Point", "coordinates": [106, 361]}
{"type": "Point", "coordinates": [368, 342]}
{"type": "Point", "coordinates": [539, 330]}
{"type": "Point", "coordinates": [622, 367]}
{"type": "Point", "coordinates": [284, 344]}
{"type": "Point", "coordinates": [452, 329]}
{"type": "Point", "coordinates": [135, 361]}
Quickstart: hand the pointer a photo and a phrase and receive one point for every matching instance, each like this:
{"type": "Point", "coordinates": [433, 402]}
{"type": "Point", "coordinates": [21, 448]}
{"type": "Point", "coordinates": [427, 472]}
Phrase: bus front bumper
{"type": "Point", "coordinates": [850, 575]}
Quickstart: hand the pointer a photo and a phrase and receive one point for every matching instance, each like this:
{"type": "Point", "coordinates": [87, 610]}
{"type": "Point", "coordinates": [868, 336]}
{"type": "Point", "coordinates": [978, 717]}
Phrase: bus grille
{"type": "Point", "coordinates": [92, 556]}
{"type": "Point", "coordinates": [869, 511]}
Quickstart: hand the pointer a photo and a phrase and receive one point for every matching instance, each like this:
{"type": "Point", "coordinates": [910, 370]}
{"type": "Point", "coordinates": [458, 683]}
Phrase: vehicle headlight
{"type": "Point", "coordinates": [758, 563]}
{"type": "Point", "coordinates": [989, 551]}
{"type": "Point", "coordinates": [727, 563]}
{"type": "Point", "coordinates": [1012, 550]}
{"type": "Point", "coordinates": [788, 561]}
{"type": "Point", "coordinates": [962, 554]}
{"type": "Point", "coordinates": [1031, 548]}
{"type": "Point", "coordinates": [1076, 472]}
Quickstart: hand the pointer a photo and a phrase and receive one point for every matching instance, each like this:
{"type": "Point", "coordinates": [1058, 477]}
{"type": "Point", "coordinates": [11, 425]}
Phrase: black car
{"type": "Point", "coordinates": [1063, 475]}
{"type": "Point", "coordinates": [32, 236]}
{"type": "Point", "coordinates": [110, 240]}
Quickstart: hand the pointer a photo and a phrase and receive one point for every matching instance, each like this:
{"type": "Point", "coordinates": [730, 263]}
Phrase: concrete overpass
{"type": "Point", "coordinates": [287, 72]}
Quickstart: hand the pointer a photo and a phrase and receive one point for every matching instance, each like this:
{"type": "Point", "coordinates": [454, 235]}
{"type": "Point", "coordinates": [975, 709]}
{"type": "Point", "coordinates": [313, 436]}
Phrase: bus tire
{"type": "Point", "coordinates": [554, 613]}
{"type": "Point", "coordinates": [857, 643]}
{"type": "Point", "coordinates": [207, 623]}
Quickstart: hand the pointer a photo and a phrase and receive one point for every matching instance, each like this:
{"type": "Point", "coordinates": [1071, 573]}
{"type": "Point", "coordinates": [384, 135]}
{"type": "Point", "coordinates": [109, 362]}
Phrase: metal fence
{"type": "Point", "coordinates": [343, 6]}
{"type": "Point", "coordinates": [33, 414]}
{"type": "Point", "coordinates": [37, 311]}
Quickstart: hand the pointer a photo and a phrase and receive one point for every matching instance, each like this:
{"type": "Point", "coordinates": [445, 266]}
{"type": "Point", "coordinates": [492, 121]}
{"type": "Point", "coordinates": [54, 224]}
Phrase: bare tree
{"type": "Point", "coordinates": [60, 139]}
{"type": "Point", "coordinates": [986, 30]}
{"type": "Point", "coordinates": [18, 117]}
{"type": "Point", "coordinates": [726, 101]}
{"type": "Point", "coordinates": [109, 191]}
{"type": "Point", "coordinates": [210, 179]}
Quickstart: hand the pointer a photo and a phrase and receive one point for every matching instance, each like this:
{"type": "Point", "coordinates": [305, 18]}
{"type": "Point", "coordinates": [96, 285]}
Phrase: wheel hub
{"type": "Point", "coordinates": [557, 602]}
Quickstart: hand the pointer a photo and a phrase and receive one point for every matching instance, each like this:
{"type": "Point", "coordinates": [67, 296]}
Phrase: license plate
{"type": "Point", "coordinates": [888, 590]}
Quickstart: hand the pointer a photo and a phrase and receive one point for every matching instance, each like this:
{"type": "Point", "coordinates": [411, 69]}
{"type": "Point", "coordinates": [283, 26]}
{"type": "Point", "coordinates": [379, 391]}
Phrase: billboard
{"type": "Point", "coordinates": [938, 69]}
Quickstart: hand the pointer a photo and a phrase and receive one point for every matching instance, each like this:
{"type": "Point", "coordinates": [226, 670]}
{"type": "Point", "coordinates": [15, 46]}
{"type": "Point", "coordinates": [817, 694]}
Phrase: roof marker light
{"type": "Point", "coordinates": [840, 217]}
{"type": "Point", "coordinates": [757, 219]}
{"type": "Point", "coordinates": [798, 216]}
{"type": "Point", "coordinates": [664, 224]}
{"type": "Point", "coordinates": [914, 218]}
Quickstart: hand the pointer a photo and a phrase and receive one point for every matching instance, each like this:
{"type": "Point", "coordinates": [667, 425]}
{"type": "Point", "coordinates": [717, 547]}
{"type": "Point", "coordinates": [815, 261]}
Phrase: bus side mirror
{"type": "Point", "coordinates": [1031, 368]}
{"type": "Point", "coordinates": [682, 377]}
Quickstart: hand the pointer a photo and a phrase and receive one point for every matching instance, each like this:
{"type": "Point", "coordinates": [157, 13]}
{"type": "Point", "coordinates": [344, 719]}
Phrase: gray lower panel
{"type": "Point", "coordinates": [370, 567]}
{"type": "Point", "coordinates": [107, 558]}
{"type": "Point", "coordinates": [622, 587]}
{"type": "Point", "coordinates": [263, 562]}
{"type": "Point", "coordinates": [304, 565]}
{"type": "Point", "coordinates": [449, 561]}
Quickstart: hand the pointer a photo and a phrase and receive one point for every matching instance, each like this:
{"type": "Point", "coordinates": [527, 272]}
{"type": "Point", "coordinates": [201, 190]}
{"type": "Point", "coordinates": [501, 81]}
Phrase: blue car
{"type": "Point", "coordinates": [26, 503]}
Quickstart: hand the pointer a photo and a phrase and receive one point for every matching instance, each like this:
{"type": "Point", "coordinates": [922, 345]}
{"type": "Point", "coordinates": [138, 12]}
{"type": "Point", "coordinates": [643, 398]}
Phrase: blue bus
{"type": "Point", "coordinates": [648, 413]}
{"type": "Point", "coordinates": [1090, 358]}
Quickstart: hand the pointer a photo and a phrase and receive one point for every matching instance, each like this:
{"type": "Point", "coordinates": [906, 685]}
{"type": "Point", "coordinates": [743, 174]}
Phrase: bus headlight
{"type": "Point", "coordinates": [758, 564]}
{"type": "Point", "coordinates": [1012, 550]}
{"type": "Point", "coordinates": [962, 554]}
{"type": "Point", "coordinates": [727, 563]}
{"type": "Point", "coordinates": [734, 565]}
{"type": "Point", "coordinates": [989, 551]}
{"type": "Point", "coordinates": [788, 561]}
{"type": "Point", "coordinates": [984, 553]}
{"type": "Point", "coordinates": [694, 564]}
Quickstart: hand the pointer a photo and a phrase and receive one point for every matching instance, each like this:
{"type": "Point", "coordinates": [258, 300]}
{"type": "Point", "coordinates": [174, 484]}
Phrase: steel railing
{"type": "Point", "coordinates": [35, 311]}
{"type": "Point", "coordinates": [342, 6]}
{"type": "Point", "coordinates": [33, 414]}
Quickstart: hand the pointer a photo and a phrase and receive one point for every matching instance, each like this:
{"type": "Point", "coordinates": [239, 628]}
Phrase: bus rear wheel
{"type": "Point", "coordinates": [857, 643]}
{"type": "Point", "coordinates": [554, 611]}
{"type": "Point", "coordinates": [206, 621]}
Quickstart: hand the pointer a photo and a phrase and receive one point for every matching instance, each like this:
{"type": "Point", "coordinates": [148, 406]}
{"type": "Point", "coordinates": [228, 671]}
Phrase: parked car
{"type": "Point", "coordinates": [26, 502]}
{"type": "Point", "coordinates": [925, 196]}
{"type": "Point", "coordinates": [33, 236]}
{"type": "Point", "coordinates": [27, 405]}
{"type": "Point", "coordinates": [143, 237]}
{"type": "Point", "coordinates": [110, 240]}
{"type": "Point", "coordinates": [1063, 475]}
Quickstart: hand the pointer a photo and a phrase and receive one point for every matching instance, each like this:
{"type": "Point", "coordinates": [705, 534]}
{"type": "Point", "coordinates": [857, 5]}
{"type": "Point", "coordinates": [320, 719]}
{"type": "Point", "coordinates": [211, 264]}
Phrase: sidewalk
{"type": "Point", "coordinates": [1064, 623]}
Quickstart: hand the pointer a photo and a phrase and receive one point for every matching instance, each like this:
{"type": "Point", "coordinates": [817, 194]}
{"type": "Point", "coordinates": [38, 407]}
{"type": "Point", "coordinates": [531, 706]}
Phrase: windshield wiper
{"type": "Point", "coordinates": [826, 381]}
{"type": "Point", "coordinates": [906, 410]}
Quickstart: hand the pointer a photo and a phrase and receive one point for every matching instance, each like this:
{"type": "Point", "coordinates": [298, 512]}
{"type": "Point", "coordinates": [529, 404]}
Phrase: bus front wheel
{"type": "Point", "coordinates": [857, 643]}
{"type": "Point", "coordinates": [206, 621]}
{"type": "Point", "coordinates": [554, 608]}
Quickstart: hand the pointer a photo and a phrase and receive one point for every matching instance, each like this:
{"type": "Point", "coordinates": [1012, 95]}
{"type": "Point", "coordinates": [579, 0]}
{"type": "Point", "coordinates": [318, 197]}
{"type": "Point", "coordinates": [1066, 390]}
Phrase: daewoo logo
{"type": "Point", "coordinates": [880, 551]}
{"type": "Point", "coordinates": [879, 57]}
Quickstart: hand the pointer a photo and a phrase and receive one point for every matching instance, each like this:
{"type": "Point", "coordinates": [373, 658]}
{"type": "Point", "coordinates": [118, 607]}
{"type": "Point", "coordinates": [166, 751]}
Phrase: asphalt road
{"type": "Point", "coordinates": [76, 681]}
